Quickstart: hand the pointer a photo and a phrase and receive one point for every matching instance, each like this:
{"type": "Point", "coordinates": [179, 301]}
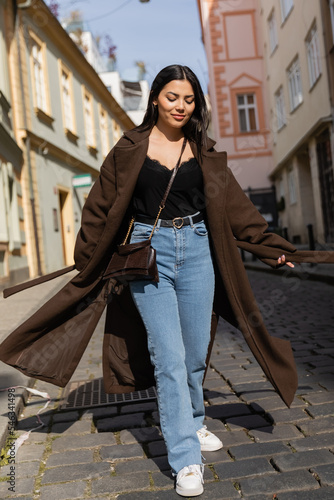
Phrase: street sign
{"type": "Point", "coordinates": [81, 180]}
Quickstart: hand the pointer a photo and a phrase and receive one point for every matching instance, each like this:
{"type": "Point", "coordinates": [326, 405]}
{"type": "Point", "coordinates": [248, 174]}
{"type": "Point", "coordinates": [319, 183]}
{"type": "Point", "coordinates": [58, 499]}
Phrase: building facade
{"type": "Point", "coordinates": [233, 43]}
{"type": "Point", "coordinates": [64, 122]}
{"type": "Point", "coordinates": [13, 252]}
{"type": "Point", "coordinates": [301, 104]}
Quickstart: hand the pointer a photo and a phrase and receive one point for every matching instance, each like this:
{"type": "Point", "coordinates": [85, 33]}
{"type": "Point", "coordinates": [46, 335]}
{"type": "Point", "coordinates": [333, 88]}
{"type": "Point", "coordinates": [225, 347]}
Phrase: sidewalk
{"type": "Point", "coordinates": [270, 451]}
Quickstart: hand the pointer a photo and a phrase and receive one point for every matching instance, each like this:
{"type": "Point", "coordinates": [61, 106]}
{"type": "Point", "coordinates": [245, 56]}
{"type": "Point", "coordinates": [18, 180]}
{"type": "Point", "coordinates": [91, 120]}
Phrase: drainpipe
{"type": "Point", "coordinates": [28, 147]}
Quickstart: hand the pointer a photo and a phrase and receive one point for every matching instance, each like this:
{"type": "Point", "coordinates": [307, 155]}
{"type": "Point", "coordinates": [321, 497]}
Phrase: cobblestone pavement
{"type": "Point", "coordinates": [270, 451]}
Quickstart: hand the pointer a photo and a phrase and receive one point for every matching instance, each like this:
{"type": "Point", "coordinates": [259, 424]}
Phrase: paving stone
{"type": "Point", "coordinates": [215, 457]}
{"type": "Point", "coordinates": [234, 438]}
{"type": "Point", "coordinates": [143, 435]}
{"type": "Point", "coordinates": [32, 422]}
{"type": "Point", "coordinates": [124, 483]}
{"type": "Point", "coordinates": [321, 410]}
{"type": "Point", "coordinates": [79, 427]}
{"type": "Point", "coordinates": [63, 491]}
{"type": "Point", "coordinates": [120, 422]}
{"type": "Point", "coordinates": [216, 384]}
{"type": "Point", "coordinates": [28, 452]}
{"type": "Point", "coordinates": [247, 422]}
{"type": "Point", "coordinates": [121, 452]}
{"type": "Point", "coordinates": [227, 410]}
{"type": "Point", "coordinates": [23, 469]}
{"type": "Point", "coordinates": [70, 457]}
{"type": "Point", "coordinates": [313, 442]}
{"type": "Point", "coordinates": [214, 425]}
{"type": "Point", "coordinates": [244, 468]}
{"type": "Point", "coordinates": [161, 480]}
{"type": "Point", "coordinates": [101, 412]}
{"type": "Point", "coordinates": [88, 441]}
{"type": "Point", "coordinates": [281, 432]}
{"type": "Point", "coordinates": [23, 486]}
{"type": "Point", "coordinates": [288, 415]}
{"type": "Point", "coordinates": [219, 398]}
{"type": "Point", "coordinates": [319, 494]}
{"type": "Point", "coordinates": [76, 471]}
{"type": "Point", "coordinates": [35, 437]}
{"type": "Point", "coordinates": [138, 407]}
{"type": "Point", "coordinates": [68, 416]}
{"type": "Point", "coordinates": [142, 465]}
{"type": "Point", "coordinates": [156, 449]}
{"type": "Point", "coordinates": [275, 483]}
{"type": "Point", "coordinates": [317, 426]}
{"type": "Point", "coordinates": [303, 460]}
{"type": "Point", "coordinates": [258, 450]}
{"type": "Point", "coordinates": [325, 473]}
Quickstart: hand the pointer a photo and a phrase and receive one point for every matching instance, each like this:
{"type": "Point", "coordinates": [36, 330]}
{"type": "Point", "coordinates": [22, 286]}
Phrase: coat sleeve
{"type": "Point", "coordinates": [95, 211]}
{"type": "Point", "coordinates": [247, 223]}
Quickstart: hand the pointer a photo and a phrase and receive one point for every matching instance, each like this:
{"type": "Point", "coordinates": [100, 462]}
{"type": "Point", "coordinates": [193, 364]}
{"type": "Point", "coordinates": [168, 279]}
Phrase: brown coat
{"type": "Point", "coordinates": [50, 343]}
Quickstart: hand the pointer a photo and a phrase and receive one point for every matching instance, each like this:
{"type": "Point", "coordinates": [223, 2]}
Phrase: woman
{"type": "Point", "coordinates": [206, 218]}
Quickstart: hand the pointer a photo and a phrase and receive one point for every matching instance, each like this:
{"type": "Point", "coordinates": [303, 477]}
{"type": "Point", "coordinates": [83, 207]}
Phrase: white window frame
{"type": "Point", "coordinates": [39, 75]}
{"type": "Point", "coordinates": [295, 84]}
{"type": "Point", "coordinates": [246, 107]}
{"type": "Point", "coordinates": [104, 131]}
{"type": "Point", "coordinates": [88, 118]}
{"type": "Point", "coordinates": [280, 108]}
{"type": "Point", "coordinates": [286, 7]}
{"type": "Point", "coordinates": [67, 98]}
{"type": "Point", "coordinates": [313, 55]}
{"type": "Point", "coordinates": [272, 27]}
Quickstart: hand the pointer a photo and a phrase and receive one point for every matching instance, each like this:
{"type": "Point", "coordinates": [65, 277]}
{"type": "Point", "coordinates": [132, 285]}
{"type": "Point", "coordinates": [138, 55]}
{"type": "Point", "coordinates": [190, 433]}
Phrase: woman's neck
{"type": "Point", "coordinates": [160, 131]}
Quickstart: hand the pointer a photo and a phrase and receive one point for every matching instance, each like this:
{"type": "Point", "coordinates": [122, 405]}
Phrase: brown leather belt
{"type": "Point", "coordinates": [177, 222]}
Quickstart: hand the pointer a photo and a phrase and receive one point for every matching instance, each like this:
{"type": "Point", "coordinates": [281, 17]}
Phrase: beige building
{"type": "Point", "coordinates": [233, 43]}
{"type": "Point", "coordinates": [65, 122]}
{"type": "Point", "coordinates": [301, 117]}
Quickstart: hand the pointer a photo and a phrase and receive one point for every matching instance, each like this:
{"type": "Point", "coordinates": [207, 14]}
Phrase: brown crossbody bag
{"type": "Point", "coordinates": [137, 261]}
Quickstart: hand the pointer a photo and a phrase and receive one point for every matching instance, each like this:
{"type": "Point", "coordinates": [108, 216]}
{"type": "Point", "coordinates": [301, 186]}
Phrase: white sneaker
{"type": "Point", "coordinates": [189, 481]}
{"type": "Point", "coordinates": [208, 441]}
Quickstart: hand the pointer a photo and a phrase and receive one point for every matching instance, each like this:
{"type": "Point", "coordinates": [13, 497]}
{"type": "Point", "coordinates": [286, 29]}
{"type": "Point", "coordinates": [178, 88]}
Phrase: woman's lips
{"type": "Point", "coordinates": [178, 117]}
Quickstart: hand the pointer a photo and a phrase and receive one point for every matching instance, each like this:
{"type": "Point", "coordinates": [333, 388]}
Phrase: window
{"type": "Point", "coordinates": [313, 58]}
{"type": "Point", "coordinates": [292, 187]}
{"type": "Point", "coordinates": [280, 108]}
{"type": "Point", "coordinates": [286, 6]}
{"type": "Point", "coordinates": [104, 132]}
{"type": "Point", "coordinates": [38, 75]}
{"type": "Point", "coordinates": [67, 100]}
{"type": "Point", "coordinates": [272, 31]}
{"type": "Point", "coordinates": [247, 112]}
{"type": "Point", "coordinates": [88, 118]}
{"type": "Point", "coordinates": [295, 85]}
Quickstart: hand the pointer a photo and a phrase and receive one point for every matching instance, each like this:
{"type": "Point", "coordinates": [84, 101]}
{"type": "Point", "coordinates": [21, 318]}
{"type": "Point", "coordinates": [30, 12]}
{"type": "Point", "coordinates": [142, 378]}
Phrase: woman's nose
{"type": "Point", "coordinates": [180, 104]}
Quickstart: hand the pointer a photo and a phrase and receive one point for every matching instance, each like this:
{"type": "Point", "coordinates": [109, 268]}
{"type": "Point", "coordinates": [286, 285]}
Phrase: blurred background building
{"type": "Point", "coordinates": [271, 89]}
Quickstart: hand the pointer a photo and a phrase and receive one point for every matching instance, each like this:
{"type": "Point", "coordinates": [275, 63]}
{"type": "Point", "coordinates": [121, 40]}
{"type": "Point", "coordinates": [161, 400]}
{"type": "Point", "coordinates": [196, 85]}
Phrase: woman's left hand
{"type": "Point", "coordinates": [281, 260]}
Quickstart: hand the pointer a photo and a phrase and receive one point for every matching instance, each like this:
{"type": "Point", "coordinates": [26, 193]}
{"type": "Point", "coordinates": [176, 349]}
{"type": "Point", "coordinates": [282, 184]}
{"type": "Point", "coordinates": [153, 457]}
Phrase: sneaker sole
{"type": "Point", "coordinates": [190, 493]}
{"type": "Point", "coordinates": [211, 448]}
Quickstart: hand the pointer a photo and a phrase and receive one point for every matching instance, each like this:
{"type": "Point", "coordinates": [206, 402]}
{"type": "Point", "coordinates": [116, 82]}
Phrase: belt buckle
{"type": "Point", "coordinates": [178, 226]}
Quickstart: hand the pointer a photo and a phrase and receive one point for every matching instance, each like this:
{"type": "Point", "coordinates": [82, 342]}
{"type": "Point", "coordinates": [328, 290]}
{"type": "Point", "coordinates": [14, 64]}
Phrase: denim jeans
{"type": "Point", "coordinates": [177, 315]}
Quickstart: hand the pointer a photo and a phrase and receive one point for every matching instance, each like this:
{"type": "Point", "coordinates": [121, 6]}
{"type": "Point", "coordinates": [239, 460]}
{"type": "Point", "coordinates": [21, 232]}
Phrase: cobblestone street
{"type": "Point", "coordinates": [270, 451]}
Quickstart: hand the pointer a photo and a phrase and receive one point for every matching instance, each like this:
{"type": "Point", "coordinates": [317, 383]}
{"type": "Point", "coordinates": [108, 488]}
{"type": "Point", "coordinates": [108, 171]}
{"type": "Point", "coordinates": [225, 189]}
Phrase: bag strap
{"type": "Point", "coordinates": [163, 201]}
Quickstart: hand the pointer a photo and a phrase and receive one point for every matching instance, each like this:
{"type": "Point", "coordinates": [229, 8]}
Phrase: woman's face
{"type": "Point", "coordinates": [176, 103]}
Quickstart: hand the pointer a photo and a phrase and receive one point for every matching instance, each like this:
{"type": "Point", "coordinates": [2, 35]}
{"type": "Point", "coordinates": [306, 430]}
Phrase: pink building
{"type": "Point", "coordinates": [232, 38]}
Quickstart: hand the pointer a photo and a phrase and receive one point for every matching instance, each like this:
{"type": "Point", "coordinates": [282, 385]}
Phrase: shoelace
{"type": "Point", "coordinates": [192, 470]}
{"type": "Point", "coordinates": [203, 432]}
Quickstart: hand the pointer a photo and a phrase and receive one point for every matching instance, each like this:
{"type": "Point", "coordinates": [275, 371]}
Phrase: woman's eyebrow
{"type": "Point", "coordinates": [177, 95]}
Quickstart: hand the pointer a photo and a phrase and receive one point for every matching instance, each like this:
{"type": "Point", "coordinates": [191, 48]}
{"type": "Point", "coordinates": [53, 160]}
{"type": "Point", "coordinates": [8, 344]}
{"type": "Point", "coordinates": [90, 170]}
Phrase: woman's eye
{"type": "Point", "coordinates": [189, 102]}
{"type": "Point", "coordinates": [171, 100]}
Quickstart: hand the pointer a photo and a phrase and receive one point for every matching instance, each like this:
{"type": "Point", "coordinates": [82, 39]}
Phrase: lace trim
{"type": "Point", "coordinates": [189, 160]}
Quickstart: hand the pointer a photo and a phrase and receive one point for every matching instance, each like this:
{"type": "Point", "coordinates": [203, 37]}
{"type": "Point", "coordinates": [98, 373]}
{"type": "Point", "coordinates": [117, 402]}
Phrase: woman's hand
{"type": "Point", "coordinates": [281, 260]}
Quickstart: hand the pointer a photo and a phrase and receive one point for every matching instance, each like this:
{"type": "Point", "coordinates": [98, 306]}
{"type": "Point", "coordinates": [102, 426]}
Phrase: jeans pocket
{"type": "Point", "coordinates": [140, 232]}
{"type": "Point", "coordinates": [200, 228]}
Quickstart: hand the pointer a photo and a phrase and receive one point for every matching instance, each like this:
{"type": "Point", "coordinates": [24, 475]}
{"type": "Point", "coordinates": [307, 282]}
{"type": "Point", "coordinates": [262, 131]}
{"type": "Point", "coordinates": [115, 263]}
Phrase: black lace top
{"type": "Point", "coordinates": [186, 196]}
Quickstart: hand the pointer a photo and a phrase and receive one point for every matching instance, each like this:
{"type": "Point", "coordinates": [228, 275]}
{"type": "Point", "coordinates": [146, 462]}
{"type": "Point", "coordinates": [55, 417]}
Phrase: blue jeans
{"type": "Point", "coordinates": [177, 315]}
